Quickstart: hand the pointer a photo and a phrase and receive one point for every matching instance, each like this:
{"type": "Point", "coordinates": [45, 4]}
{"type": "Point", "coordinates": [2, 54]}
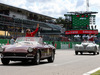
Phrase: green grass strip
{"type": "Point", "coordinates": [96, 73]}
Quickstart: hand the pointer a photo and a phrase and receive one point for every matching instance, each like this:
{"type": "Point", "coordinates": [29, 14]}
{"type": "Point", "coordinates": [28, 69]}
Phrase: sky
{"type": "Point", "coordinates": [56, 8]}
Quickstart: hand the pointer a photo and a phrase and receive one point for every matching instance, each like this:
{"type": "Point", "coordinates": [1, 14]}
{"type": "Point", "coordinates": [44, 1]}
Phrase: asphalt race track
{"type": "Point", "coordinates": [66, 63]}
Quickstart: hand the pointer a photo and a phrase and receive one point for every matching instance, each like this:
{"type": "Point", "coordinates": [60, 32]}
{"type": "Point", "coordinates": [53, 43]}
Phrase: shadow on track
{"type": "Point", "coordinates": [90, 54]}
{"type": "Point", "coordinates": [16, 63]}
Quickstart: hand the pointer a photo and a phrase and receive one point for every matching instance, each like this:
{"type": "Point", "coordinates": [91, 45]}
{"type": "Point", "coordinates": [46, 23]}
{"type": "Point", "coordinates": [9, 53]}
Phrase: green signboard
{"type": "Point", "coordinates": [80, 21]}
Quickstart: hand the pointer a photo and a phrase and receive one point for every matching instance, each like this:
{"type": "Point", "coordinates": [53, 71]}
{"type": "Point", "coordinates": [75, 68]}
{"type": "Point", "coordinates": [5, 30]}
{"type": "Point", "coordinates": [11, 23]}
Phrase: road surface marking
{"type": "Point", "coordinates": [90, 72]}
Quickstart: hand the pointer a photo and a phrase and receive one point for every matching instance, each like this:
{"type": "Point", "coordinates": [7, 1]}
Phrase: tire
{"type": "Point", "coordinates": [5, 61]}
{"type": "Point", "coordinates": [98, 53]}
{"type": "Point", "coordinates": [51, 59]}
{"type": "Point", "coordinates": [24, 61]}
{"type": "Point", "coordinates": [76, 53]}
{"type": "Point", "coordinates": [36, 59]}
{"type": "Point", "coordinates": [81, 53]}
{"type": "Point", "coordinates": [94, 53]}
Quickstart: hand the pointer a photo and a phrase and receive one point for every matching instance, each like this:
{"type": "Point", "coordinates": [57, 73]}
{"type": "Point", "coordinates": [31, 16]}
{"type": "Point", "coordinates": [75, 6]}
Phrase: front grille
{"type": "Point", "coordinates": [84, 46]}
{"type": "Point", "coordinates": [15, 54]}
{"type": "Point", "coordinates": [80, 47]}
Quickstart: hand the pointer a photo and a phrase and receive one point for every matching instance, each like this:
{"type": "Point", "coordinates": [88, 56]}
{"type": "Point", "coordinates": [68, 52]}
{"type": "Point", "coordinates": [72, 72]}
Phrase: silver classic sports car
{"type": "Point", "coordinates": [87, 46]}
{"type": "Point", "coordinates": [27, 48]}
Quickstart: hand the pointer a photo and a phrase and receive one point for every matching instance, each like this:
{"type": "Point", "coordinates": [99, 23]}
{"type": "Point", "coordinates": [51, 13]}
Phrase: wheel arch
{"type": "Point", "coordinates": [53, 50]}
{"type": "Point", "coordinates": [40, 52]}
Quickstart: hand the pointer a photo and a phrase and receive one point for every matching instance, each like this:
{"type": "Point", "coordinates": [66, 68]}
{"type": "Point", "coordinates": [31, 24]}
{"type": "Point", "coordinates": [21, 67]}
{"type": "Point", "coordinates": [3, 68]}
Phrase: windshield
{"type": "Point", "coordinates": [32, 39]}
{"type": "Point", "coordinates": [27, 43]}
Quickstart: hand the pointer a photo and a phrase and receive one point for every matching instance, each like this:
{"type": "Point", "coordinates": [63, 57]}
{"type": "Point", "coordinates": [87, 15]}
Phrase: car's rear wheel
{"type": "Point", "coordinates": [76, 53]}
{"type": "Point", "coordinates": [81, 53]}
{"type": "Point", "coordinates": [5, 61]}
{"type": "Point", "coordinates": [97, 52]}
{"type": "Point", "coordinates": [51, 59]}
{"type": "Point", "coordinates": [36, 59]}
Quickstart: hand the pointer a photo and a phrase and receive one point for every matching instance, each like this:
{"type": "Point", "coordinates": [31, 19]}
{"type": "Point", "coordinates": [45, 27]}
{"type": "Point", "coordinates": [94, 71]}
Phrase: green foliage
{"type": "Point", "coordinates": [62, 21]}
{"type": "Point", "coordinates": [96, 73]}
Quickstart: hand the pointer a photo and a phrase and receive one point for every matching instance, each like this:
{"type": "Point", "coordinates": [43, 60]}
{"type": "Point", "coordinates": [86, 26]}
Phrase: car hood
{"type": "Point", "coordinates": [17, 48]}
{"type": "Point", "coordinates": [85, 44]}
{"type": "Point", "coordinates": [78, 45]}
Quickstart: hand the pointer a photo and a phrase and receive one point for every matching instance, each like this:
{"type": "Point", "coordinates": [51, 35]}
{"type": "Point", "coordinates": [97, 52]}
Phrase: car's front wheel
{"type": "Point", "coordinates": [51, 59]}
{"type": "Point", "coordinates": [81, 53]}
{"type": "Point", "coordinates": [94, 53]}
{"type": "Point", "coordinates": [5, 61]}
{"type": "Point", "coordinates": [76, 53]}
{"type": "Point", "coordinates": [36, 59]}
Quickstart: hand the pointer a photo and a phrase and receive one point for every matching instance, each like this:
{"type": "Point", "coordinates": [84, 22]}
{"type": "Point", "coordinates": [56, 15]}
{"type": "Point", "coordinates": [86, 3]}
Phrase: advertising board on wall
{"type": "Point", "coordinates": [81, 32]}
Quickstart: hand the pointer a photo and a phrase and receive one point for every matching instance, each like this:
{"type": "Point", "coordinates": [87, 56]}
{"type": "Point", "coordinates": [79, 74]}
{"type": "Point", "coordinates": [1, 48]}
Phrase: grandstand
{"type": "Point", "coordinates": [14, 21]}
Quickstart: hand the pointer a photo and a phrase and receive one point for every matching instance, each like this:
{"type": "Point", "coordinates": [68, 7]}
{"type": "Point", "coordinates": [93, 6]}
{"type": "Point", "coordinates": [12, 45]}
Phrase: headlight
{"type": "Point", "coordinates": [93, 48]}
{"type": "Point", "coordinates": [30, 49]}
{"type": "Point", "coordinates": [76, 47]}
{"type": "Point", "coordinates": [90, 48]}
{"type": "Point", "coordinates": [1, 49]}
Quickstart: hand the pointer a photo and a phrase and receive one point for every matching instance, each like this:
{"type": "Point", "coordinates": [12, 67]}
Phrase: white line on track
{"type": "Point", "coordinates": [90, 72]}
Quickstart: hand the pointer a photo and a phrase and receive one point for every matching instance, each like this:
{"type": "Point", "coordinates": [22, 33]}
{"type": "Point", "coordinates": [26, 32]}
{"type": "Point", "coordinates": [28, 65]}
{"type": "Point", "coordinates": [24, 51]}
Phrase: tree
{"type": "Point", "coordinates": [65, 22]}
{"type": "Point", "coordinates": [60, 20]}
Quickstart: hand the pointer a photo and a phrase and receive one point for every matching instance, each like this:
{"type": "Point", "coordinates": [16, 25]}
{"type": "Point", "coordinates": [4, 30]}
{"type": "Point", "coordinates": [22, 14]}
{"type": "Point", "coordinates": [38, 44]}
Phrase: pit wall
{"type": "Point", "coordinates": [63, 45]}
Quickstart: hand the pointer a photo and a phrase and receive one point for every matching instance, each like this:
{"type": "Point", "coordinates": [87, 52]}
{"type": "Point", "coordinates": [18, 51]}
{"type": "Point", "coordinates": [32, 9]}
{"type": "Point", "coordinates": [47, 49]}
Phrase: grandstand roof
{"type": "Point", "coordinates": [83, 12]}
{"type": "Point", "coordinates": [32, 25]}
{"type": "Point", "coordinates": [24, 11]}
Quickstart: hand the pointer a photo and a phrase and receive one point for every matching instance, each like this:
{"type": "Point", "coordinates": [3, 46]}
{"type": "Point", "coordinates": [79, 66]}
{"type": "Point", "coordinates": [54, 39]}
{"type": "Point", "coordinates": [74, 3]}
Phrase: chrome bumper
{"type": "Point", "coordinates": [16, 57]}
{"type": "Point", "coordinates": [28, 56]}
